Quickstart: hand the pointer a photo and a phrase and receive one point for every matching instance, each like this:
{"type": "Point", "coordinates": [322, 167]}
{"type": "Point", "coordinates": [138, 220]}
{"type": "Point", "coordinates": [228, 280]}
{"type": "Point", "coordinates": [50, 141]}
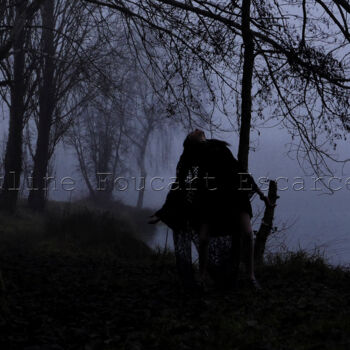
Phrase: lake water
{"type": "Point", "coordinates": [325, 229]}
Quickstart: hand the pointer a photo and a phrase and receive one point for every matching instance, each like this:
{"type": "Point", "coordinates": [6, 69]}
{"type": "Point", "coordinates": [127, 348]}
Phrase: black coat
{"type": "Point", "coordinates": [210, 187]}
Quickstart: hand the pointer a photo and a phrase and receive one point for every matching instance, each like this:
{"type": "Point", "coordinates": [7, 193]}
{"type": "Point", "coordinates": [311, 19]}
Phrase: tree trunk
{"type": "Point", "coordinates": [143, 179]}
{"type": "Point", "coordinates": [13, 156]}
{"type": "Point", "coordinates": [143, 167]}
{"type": "Point", "coordinates": [246, 92]}
{"type": "Point", "coordinates": [266, 224]}
{"type": "Point", "coordinates": [246, 115]}
{"type": "Point", "coordinates": [141, 189]}
{"type": "Point", "coordinates": [22, 16]}
{"type": "Point", "coordinates": [37, 196]}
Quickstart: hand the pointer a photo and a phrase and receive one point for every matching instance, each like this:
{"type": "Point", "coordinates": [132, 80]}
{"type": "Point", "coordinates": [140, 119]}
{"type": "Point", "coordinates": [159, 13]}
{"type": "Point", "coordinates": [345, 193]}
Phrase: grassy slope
{"type": "Point", "coordinates": [81, 281]}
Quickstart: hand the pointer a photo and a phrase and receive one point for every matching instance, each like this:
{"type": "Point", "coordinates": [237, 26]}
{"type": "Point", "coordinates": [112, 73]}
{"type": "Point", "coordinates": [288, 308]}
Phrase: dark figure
{"type": "Point", "coordinates": [212, 197]}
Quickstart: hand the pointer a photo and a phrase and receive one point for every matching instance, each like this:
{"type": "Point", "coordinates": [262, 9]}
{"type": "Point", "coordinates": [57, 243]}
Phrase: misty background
{"type": "Point", "coordinates": [100, 93]}
{"type": "Point", "coordinates": [313, 219]}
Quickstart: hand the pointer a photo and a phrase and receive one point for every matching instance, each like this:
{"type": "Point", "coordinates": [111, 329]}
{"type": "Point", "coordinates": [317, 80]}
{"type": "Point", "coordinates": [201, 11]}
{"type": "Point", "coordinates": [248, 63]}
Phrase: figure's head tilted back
{"type": "Point", "coordinates": [194, 137]}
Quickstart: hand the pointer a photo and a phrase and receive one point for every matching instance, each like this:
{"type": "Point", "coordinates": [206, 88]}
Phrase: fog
{"type": "Point", "coordinates": [129, 113]}
{"type": "Point", "coordinates": [314, 219]}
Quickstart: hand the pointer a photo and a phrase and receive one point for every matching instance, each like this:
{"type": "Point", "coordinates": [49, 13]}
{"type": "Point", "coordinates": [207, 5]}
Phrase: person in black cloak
{"type": "Point", "coordinates": [211, 196]}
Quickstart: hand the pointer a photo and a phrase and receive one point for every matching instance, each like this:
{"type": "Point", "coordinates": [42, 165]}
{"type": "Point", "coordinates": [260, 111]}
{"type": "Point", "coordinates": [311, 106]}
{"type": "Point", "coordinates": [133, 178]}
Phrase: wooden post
{"type": "Point", "coordinates": [266, 224]}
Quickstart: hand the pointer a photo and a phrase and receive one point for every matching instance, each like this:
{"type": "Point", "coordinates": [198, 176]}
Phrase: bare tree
{"type": "Point", "coordinates": [98, 130]}
{"type": "Point", "coordinates": [304, 83]}
{"type": "Point", "coordinates": [47, 77]}
{"type": "Point", "coordinates": [47, 101]}
{"type": "Point", "coordinates": [27, 12]}
{"type": "Point", "coordinates": [148, 121]}
{"type": "Point", "coordinates": [97, 139]}
{"type": "Point", "coordinates": [66, 58]}
{"type": "Point", "coordinates": [13, 157]}
{"type": "Point", "coordinates": [290, 64]}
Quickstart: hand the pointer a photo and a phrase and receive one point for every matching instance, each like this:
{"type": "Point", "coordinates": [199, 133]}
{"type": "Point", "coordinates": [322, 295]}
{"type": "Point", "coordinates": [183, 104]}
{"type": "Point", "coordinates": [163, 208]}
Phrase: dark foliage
{"type": "Point", "coordinates": [77, 296]}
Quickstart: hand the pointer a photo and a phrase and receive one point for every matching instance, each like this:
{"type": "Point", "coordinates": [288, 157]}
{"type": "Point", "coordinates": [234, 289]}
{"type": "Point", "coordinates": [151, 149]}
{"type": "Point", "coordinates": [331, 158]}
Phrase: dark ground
{"type": "Point", "coordinates": [81, 293]}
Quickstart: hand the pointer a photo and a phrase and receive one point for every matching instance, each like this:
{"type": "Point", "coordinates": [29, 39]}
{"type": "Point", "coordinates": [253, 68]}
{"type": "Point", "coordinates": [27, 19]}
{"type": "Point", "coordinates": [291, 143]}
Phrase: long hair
{"type": "Point", "coordinates": [192, 149]}
{"type": "Point", "coordinates": [194, 153]}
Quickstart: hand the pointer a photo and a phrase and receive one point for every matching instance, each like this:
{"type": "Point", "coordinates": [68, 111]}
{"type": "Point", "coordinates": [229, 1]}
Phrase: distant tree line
{"type": "Point", "coordinates": [70, 75]}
